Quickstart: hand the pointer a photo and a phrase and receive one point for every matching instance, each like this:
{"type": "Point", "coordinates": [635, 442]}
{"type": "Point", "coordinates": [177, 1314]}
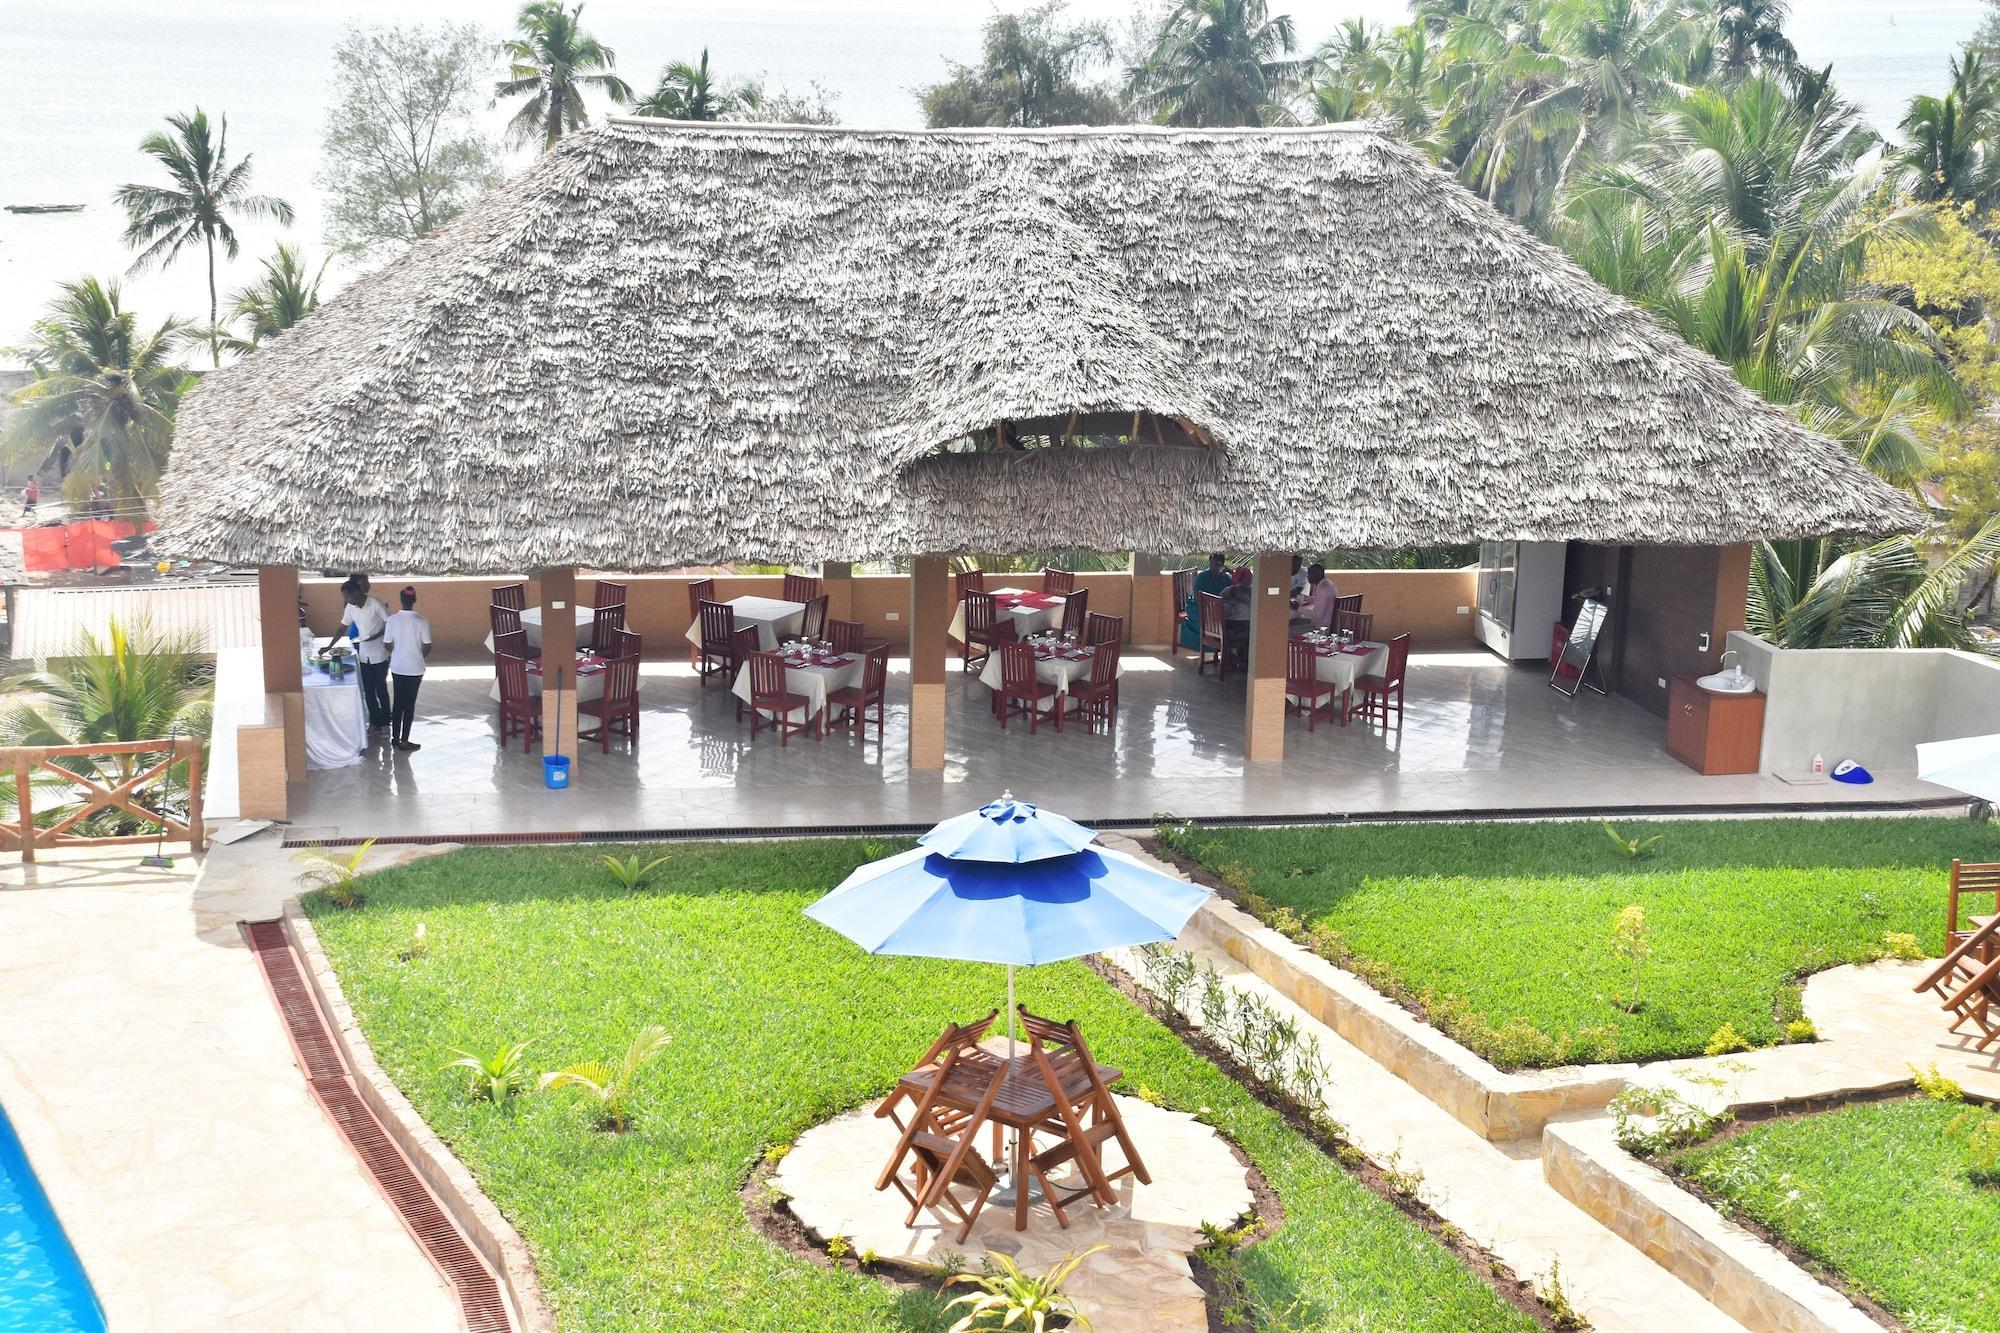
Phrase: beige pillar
{"type": "Point", "coordinates": [278, 614]}
{"type": "Point", "coordinates": [930, 616]}
{"type": "Point", "coordinates": [558, 660]}
{"type": "Point", "coordinates": [1732, 598]}
{"type": "Point", "coordinates": [836, 580]}
{"type": "Point", "coordinates": [1152, 620]}
{"type": "Point", "coordinates": [1270, 621]}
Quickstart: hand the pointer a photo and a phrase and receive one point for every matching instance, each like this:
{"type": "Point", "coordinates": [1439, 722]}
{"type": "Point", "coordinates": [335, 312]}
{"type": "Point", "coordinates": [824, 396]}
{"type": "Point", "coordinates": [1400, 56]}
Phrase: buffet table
{"type": "Point", "coordinates": [336, 720]}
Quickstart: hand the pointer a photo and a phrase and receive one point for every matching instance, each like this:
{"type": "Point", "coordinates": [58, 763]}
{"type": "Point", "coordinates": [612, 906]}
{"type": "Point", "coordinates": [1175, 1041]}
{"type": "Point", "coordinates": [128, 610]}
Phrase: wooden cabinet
{"type": "Point", "coordinates": [1714, 733]}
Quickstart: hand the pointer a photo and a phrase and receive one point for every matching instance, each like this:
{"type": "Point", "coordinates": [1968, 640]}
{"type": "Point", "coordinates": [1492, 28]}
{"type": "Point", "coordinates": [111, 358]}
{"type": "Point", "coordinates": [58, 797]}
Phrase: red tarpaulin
{"type": "Point", "coordinates": [85, 545]}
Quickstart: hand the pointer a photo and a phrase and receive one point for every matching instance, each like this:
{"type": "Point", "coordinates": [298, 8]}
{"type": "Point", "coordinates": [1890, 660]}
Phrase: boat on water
{"type": "Point", "coordinates": [44, 208]}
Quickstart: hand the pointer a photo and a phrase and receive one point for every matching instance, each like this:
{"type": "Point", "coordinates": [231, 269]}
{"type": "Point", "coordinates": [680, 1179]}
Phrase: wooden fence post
{"type": "Point", "coordinates": [26, 801]}
{"type": "Point", "coordinates": [197, 834]}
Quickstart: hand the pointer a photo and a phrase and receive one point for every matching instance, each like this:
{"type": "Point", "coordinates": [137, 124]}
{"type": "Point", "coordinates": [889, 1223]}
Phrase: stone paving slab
{"type": "Point", "coordinates": [144, 1065]}
{"type": "Point", "coordinates": [1140, 1284]}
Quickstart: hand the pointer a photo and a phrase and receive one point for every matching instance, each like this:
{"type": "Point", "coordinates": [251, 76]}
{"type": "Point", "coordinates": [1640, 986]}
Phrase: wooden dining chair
{"type": "Point", "coordinates": [1350, 604]}
{"type": "Point", "coordinates": [744, 644]}
{"type": "Point", "coordinates": [1096, 698]}
{"type": "Point", "coordinates": [1022, 691]}
{"type": "Point", "coordinates": [800, 588]}
{"type": "Point", "coordinates": [846, 636]}
{"type": "Point", "coordinates": [607, 593]}
{"type": "Point", "coordinates": [699, 591]}
{"type": "Point", "coordinates": [617, 709]}
{"type": "Point", "coordinates": [520, 707]}
{"type": "Point", "coordinates": [718, 631]}
{"type": "Point", "coordinates": [871, 692]}
{"type": "Point", "coordinates": [624, 643]}
{"type": "Point", "coordinates": [1183, 590]}
{"type": "Point", "coordinates": [1356, 625]}
{"type": "Point", "coordinates": [1214, 642]}
{"type": "Point", "coordinates": [514, 643]}
{"type": "Point", "coordinates": [1076, 614]}
{"type": "Point", "coordinates": [939, 1142]}
{"type": "Point", "coordinates": [984, 628]}
{"type": "Point", "coordinates": [965, 581]}
{"type": "Point", "coordinates": [605, 623]}
{"type": "Point", "coordinates": [503, 619]}
{"type": "Point", "coordinates": [770, 692]}
{"type": "Point", "coordinates": [1971, 941]}
{"type": "Point", "coordinates": [1378, 692]}
{"type": "Point", "coordinates": [956, 1039]}
{"type": "Point", "coordinates": [1103, 629]}
{"type": "Point", "coordinates": [1303, 688]}
{"type": "Point", "coordinates": [1058, 582]}
{"type": "Point", "coordinates": [513, 596]}
{"type": "Point", "coordinates": [812, 625]}
{"type": "Point", "coordinates": [1086, 1116]}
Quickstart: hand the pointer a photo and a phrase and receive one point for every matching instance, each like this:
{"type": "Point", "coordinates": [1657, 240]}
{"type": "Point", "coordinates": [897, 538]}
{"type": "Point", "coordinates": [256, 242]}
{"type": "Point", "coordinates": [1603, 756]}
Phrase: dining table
{"type": "Point", "coordinates": [812, 676]}
{"type": "Point", "coordinates": [1055, 664]}
{"type": "Point", "coordinates": [775, 618]}
{"type": "Point", "coordinates": [1028, 611]}
{"type": "Point", "coordinates": [336, 719]}
{"type": "Point", "coordinates": [1024, 1103]}
{"type": "Point", "coordinates": [589, 678]}
{"type": "Point", "coordinates": [1341, 664]}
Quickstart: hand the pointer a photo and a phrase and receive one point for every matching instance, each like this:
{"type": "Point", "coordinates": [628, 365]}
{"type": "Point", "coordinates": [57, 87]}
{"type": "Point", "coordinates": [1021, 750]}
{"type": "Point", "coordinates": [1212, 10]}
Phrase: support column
{"type": "Point", "coordinates": [1152, 619]}
{"type": "Point", "coordinates": [930, 611]}
{"type": "Point", "coordinates": [1732, 599]}
{"type": "Point", "coordinates": [284, 700]}
{"type": "Point", "coordinates": [836, 580]}
{"type": "Point", "coordinates": [1270, 624]}
{"type": "Point", "coordinates": [558, 660]}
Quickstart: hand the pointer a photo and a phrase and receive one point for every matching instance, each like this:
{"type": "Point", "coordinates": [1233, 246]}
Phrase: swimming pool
{"type": "Point", "coordinates": [42, 1286]}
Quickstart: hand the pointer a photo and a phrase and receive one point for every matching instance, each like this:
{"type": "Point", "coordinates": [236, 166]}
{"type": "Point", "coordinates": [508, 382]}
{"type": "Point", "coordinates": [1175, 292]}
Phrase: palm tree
{"type": "Point", "coordinates": [685, 92]}
{"type": "Point", "coordinates": [207, 188]}
{"type": "Point", "coordinates": [551, 64]}
{"type": "Point", "coordinates": [1221, 62]}
{"type": "Point", "coordinates": [1950, 145]}
{"type": "Point", "coordinates": [1750, 32]}
{"type": "Point", "coordinates": [1834, 594]}
{"type": "Point", "coordinates": [281, 298]}
{"type": "Point", "coordinates": [104, 389]}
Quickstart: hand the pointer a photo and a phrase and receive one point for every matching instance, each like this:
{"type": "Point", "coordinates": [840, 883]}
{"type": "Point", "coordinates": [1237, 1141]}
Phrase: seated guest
{"type": "Point", "coordinates": [1236, 600]}
{"type": "Point", "coordinates": [1215, 579]}
{"type": "Point", "coordinates": [1316, 608]}
{"type": "Point", "coordinates": [1298, 578]}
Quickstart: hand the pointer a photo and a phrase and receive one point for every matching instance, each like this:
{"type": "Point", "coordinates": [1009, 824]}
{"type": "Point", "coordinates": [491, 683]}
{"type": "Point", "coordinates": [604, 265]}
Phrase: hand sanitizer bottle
{"type": "Point", "coordinates": [1819, 766]}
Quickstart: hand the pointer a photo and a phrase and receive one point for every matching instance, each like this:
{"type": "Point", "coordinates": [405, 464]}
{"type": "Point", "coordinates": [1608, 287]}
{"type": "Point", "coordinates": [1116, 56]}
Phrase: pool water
{"type": "Point", "coordinates": [42, 1286]}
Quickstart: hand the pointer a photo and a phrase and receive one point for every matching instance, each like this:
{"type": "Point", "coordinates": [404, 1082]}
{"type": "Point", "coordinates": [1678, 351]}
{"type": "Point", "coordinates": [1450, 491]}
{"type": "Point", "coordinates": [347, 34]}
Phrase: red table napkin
{"type": "Point", "coordinates": [1358, 648]}
{"type": "Point", "coordinates": [1039, 601]}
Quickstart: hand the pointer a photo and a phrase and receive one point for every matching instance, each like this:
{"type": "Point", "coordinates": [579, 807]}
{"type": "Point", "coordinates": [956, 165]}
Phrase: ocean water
{"type": "Point", "coordinates": [87, 79]}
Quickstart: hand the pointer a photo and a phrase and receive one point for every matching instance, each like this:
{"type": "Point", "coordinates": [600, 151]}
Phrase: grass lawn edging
{"type": "Point", "coordinates": [483, 1224]}
{"type": "Point", "coordinates": [1490, 1102]}
{"type": "Point", "coordinates": [1745, 1277]}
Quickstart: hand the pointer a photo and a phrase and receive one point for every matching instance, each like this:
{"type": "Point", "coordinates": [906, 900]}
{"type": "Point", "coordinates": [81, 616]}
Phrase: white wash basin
{"type": "Point", "coordinates": [1733, 681]}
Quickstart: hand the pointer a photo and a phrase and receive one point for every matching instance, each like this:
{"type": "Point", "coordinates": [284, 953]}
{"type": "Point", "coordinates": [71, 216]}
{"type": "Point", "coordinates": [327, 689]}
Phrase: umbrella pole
{"type": "Point", "coordinates": [1010, 1015]}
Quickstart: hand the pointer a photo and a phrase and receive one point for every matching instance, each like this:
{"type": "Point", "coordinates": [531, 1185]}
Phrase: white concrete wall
{"type": "Point", "coordinates": [1872, 705]}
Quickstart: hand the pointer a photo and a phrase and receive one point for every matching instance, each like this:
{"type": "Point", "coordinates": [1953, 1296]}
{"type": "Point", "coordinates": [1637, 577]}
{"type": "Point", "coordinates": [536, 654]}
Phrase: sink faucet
{"type": "Point", "coordinates": [1725, 659]}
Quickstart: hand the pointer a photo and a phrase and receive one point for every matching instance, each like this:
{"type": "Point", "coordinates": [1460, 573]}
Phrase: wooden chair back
{"type": "Point", "coordinates": [812, 625]}
{"type": "Point", "coordinates": [1350, 604]}
{"type": "Point", "coordinates": [1103, 629]}
{"type": "Point", "coordinates": [607, 593]}
{"type": "Point", "coordinates": [1063, 1059]}
{"type": "Point", "coordinates": [1209, 604]}
{"type": "Point", "coordinates": [965, 581]}
{"type": "Point", "coordinates": [1301, 667]}
{"type": "Point", "coordinates": [1076, 613]}
{"type": "Point", "coordinates": [503, 619]}
{"type": "Point", "coordinates": [979, 614]}
{"type": "Point", "coordinates": [800, 588]}
{"type": "Point", "coordinates": [513, 596]}
{"type": "Point", "coordinates": [1357, 625]}
{"type": "Point", "coordinates": [1969, 879]}
{"type": "Point", "coordinates": [1399, 660]}
{"type": "Point", "coordinates": [621, 683]}
{"type": "Point", "coordinates": [1058, 582]}
{"type": "Point", "coordinates": [742, 646]}
{"type": "Point", "coordinates": [1183, 589]}
{"type": "Point", "coordinates": [767, 679]}
{"type": "Point", "coordinates": [624, 643]}
{"type": "Point", "coordinates": [845, 635]}
{"type": "Point", "coordinates": [514, 643]}
{"type": "Point", "coordinates": [1104, 664]}
{"type": "Point", "coordinates": [701, 590]}
{"type": "Point", "coordinates": [512, 673]}
{"type": "Point", "coordinates": [718, 626]}
{"type": "Point", "coordinates": [1017, 669]}
{"type": "Point", "coordinates": [875, 678]}
{"type": "Point", "coordinates": [606, 621]}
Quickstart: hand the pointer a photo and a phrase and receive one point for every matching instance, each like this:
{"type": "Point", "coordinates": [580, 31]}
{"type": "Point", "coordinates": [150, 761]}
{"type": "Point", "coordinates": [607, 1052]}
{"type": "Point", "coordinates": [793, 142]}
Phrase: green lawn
{"type": "Point", "coordinates": [1883, 1197]}
{"type": "Point", "coordinates": [1503, 931]}
{"type": "Point", "coordinates": [777, 1024]}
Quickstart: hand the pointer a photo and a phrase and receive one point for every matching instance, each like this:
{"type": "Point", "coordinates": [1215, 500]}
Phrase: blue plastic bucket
{"type": "Point", "coordinates": [555, 771]}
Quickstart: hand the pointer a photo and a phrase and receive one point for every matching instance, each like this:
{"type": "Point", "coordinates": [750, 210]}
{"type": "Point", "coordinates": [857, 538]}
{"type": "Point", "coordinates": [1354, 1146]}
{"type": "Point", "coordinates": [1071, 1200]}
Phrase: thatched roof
{"type": "Point", "coordinates": [667, 344]}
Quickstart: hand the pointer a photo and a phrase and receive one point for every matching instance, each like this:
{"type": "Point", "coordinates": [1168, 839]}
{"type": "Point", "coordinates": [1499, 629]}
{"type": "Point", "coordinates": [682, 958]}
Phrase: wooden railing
{"type": "Point", "coordinates": [34, 764]}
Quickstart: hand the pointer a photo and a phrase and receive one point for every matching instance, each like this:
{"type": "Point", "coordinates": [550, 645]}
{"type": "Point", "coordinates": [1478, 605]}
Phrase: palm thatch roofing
{"type": "Point", "coordinates": [669, 344]}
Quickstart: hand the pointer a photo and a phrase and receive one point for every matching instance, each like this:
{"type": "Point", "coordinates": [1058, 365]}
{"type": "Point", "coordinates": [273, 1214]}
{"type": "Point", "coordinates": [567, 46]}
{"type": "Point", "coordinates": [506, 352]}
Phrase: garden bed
{"type": "Point", "coordinates": [1503, 935]}
{"type": "Point", "coordinates": [776, 1024]}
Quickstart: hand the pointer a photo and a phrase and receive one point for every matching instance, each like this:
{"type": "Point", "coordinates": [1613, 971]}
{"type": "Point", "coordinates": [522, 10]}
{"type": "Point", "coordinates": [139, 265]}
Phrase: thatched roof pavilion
{"type": "Point", "coordinates": [667, 344]}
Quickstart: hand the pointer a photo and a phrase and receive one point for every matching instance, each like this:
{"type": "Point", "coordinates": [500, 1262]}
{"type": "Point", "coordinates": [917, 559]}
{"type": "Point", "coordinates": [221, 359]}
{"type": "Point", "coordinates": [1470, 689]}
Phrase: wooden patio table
{"type": "Point", "coordinates": [1023, 1104]}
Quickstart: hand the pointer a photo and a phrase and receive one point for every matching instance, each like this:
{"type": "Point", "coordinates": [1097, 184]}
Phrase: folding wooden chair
{"type": "Point", "coordinates": [939, 1142]}
{"type": "Point", "coordinates": [1085, 1117]}
{"type": "Point", "coordinates": [1978, 1002]}
{"type": "Point", "coordinates": [1971, 942]}
{"type": "Point", "coordinates": [956, 1037]}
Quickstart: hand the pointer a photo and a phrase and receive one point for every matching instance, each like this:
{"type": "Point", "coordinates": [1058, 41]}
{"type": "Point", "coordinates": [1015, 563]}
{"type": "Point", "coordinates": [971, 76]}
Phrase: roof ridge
{"type": "Point", "coordinates": [1353, 128]}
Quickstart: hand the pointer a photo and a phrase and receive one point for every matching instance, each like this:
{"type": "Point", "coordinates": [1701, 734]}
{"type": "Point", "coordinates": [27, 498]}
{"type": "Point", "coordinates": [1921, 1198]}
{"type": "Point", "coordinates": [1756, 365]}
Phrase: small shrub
{"type": "Point", "coordinates": [1936, 1086]}
{"type": "Point", "coordinates": [1402, 1180]}
{"type": "Point", "coordinates": [610, 1085]}
{"type": "Point", "coordinates": [1725, 1040]}
{"type": "Point", "coordinates": [1632, 849]}
{"type": "Point", "coordinates": [868, 1258]}
{"type": "Point", "coordinates": [1652, 1121]}
{"type": "Point", "coordinates": [497, 1077]}
{"type": "Point", "coordinates": [1632, 945]}
{"type": "Point", "coordinates": [1801, 1030]}
{"type": "Point", "coordinates": [1149, 1094]}
{"type": "Point", "coordinates": [335, 876]}
{"type": "Point", "coordinates": [630, 875]}
{"type": "Point", "coordinates": [418, 947]}
{"type": "Point", "coordinates": [1006, 1297]}
{"type": "Point", "coordinates": [1556, 1300]}
{"type": "Point", "coordinates": [1977, 1130]}
{"type": "Point", "coordinates": [1902, 946]}
{"type": "Point", "coordinates": [777, 1152]}
{"type": "Point", "coordinates": [837, 1247]}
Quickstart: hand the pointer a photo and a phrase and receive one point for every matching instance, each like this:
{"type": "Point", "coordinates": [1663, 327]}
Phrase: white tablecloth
{"type": "Point", "coordinates": [812, 682]}
{"type": "Point", "coordinates": [336, 720]}
{"type": "Point", "coordinates": [1026, 619]}
{"type": "Point", "coordinates": [589, 685]}
{"type": "Point", "coordinates": [1057, 671]}
{"type": "Point", "coordinates": [775, 619]}
{"type": "Point", "coordinates": [1341, 670]}
{"type": "Point", "coordinates": [531, 625]}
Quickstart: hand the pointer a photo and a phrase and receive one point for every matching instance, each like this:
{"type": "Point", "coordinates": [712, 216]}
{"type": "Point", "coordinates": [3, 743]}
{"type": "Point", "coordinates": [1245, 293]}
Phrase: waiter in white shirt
{"type": "Point", "coordinates": [408, 636]}
{"type": "Point", "coordinates": [367, 618]}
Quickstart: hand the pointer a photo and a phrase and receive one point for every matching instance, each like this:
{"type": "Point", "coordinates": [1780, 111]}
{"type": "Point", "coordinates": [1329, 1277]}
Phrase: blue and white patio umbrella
{"type": "Point", "coordinates": [1012, 884]}
{"type": "Point", "coordinates": [1970, 764]}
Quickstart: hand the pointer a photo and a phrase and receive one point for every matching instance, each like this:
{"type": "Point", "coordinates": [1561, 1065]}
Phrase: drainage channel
{"type": "Point", "coordinates": [1129, 823]}
{"type": "Point", "coordinates": [332, 1083]}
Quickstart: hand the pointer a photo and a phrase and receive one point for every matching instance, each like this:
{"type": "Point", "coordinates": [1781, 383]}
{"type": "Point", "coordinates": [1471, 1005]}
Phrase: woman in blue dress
{"type": "Point", "coordinates": [1215, 579]}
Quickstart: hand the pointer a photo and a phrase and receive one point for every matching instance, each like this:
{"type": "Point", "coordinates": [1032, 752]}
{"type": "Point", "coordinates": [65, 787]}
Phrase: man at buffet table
{"type": "Point", "coordinates": [367, 619]}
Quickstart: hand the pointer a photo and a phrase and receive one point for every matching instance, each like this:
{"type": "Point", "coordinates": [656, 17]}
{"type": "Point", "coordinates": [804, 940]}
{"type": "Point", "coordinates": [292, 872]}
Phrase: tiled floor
{"type": "Point", "coordinates": [1479, 735]}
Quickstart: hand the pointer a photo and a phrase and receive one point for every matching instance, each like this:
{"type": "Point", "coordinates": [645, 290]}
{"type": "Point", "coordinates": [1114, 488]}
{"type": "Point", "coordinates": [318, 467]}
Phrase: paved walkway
{"type": "Point", "coordinates": [142, 1062]}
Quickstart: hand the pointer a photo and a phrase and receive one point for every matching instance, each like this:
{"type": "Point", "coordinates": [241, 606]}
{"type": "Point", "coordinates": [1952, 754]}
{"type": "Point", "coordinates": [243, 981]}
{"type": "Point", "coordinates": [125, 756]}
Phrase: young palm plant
{"type": "Point", "coordinates": [608, 1085]}
{"type": "Point", "coordinates": [498, 1077]}
{"type": "Point", "coordinates": [103, 389]}
{"type": "Point", "coordinates": [286, 294]}
{"type": "Point", "coordinates": [205, 190]}
{"type": "Point", "coordinates": [338, 876]}
{"type": "Point", "coordinates": [1004, 1297]}
{"type": "Point", "coordinates": [630, 873]}
{"type": "Point", "coordinates": [686, 92]}
{"type": "Point", "coordinates": [551, 63]}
